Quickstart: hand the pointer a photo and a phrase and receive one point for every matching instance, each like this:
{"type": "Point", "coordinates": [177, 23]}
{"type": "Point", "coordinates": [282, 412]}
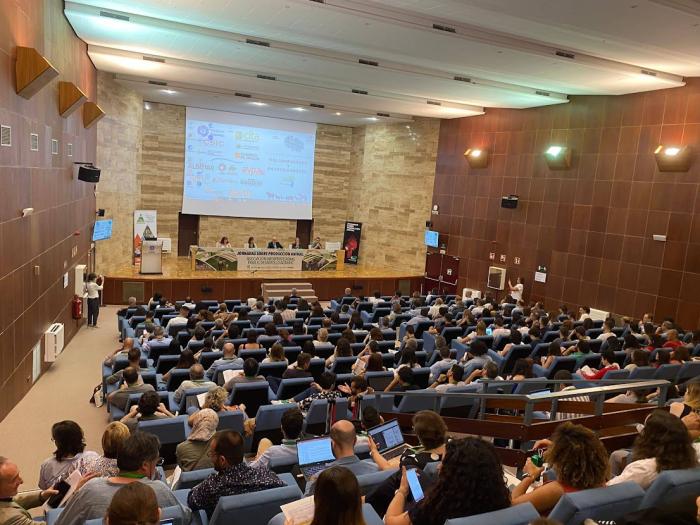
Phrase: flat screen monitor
{"type": "Point", "coordinates": [431, 238]}
{"type": "Point", "coordinates": [103, 230]}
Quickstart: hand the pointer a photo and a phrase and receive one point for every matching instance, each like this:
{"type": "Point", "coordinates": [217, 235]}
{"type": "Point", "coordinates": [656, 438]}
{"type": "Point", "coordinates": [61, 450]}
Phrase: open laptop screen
{"type": "Point", "coordinates": [387, 435]}
{"type": "Point", "coordinates": [312, 451]}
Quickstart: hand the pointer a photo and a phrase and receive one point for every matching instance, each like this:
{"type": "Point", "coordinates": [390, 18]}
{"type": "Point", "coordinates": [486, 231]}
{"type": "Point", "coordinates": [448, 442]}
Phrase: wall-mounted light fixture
{"type": "Point", "coordinates": [673, 158]}
{"type": "Point", "coordinates": [558, 157]}
{"type": "Point", "coordinates": [477, 157]}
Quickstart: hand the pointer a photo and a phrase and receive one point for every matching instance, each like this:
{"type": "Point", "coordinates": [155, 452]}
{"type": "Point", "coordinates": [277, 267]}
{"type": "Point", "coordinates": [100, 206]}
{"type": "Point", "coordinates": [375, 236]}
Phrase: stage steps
{"type": "Point", "coordinates": [277, 290]}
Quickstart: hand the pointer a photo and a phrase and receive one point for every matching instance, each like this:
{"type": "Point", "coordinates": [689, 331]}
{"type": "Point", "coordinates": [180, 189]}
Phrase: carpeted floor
{"type": "Point", "coordinates": [61, 393]}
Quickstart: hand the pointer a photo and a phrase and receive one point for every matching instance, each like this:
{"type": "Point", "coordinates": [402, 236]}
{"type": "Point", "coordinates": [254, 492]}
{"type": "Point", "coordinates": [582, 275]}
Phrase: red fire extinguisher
{"type": "Point", "coordinates": [77, 307]}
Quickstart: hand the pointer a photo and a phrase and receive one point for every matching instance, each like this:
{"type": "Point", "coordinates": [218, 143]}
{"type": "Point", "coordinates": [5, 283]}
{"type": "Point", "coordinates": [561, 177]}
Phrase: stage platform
{"type": "Point", "coordinates": [178, 280]}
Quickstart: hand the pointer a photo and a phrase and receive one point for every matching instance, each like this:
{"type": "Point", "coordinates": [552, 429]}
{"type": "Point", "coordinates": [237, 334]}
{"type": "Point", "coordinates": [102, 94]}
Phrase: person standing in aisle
{"type": "Point", "coordinates": [93, 292]}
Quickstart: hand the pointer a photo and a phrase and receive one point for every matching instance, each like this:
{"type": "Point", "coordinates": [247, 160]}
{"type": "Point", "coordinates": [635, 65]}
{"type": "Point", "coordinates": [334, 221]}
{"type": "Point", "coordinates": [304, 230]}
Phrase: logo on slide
{"type": "Point", "coordinates": [293, 143]}
{"type": "Point", "coordinates": [203, 130]}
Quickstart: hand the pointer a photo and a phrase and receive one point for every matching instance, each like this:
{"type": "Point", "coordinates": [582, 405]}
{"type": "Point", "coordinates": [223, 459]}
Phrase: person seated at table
{"type": "Point", "coordinates": [274, 244]}
{"type": "Point", "coordinates": [296, 245]}
{"type": "Point", "coordinates": [223, 243]}
{"type": "Point", "coordinates": [316, 244]}
{"type": "Point", "coordinates": [251, 243]}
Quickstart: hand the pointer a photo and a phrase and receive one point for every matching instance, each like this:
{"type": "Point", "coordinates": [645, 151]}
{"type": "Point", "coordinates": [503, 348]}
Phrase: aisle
{"type": "Point", "coordinates": [61, 393]}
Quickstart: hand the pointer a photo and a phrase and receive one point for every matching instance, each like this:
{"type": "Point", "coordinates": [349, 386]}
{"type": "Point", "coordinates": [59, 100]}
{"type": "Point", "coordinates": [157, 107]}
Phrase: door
{"type": "Point", "coordinates": [450, 274]}
{"type": "Point", "coordinates": [433, 264]}
{"type": "Point", "coordinates": [187, 233]}
{"type": "Point", "coordinates": [304, 228]}
{"type": "Point", "coordinates": [441, 273]}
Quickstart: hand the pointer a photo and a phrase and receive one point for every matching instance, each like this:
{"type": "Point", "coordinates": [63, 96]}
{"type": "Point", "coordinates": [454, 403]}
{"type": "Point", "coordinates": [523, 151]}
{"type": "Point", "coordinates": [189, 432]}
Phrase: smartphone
{"type": "Point", "coordinates": [414, 485]}
{"type": "Point", "coordinates": [62, 487]}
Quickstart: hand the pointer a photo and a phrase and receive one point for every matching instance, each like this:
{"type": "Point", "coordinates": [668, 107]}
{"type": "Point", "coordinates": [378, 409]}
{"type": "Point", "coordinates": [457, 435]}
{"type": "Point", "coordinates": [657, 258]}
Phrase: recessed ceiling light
{"type": "Point", "coordinates": [338, 113]}
{"type": "Point", "coordinates": [299, 109]}
{"type": "Point", "coordinates": [168, 91]}
{"type": "Point", "coordinates": [256, 103]}
{"type": "Point", "coordinates": [373, 119]}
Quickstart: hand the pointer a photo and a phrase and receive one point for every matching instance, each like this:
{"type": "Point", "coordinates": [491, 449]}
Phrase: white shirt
{"type": "Point", "coordinates": [604, 336]}
{"type": "Point", "coordinates": [517, 292]}
{"type": "Point", "coordinates": [92, 289]}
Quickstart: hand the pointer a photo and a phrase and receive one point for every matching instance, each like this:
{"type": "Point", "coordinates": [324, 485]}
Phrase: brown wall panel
{"type": "Point", "coordinates": [40, 180]}
{"type": "Point", "coordinates": [591, 225]}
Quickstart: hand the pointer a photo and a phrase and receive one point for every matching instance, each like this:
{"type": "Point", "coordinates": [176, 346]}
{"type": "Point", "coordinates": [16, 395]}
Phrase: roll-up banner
{"type": "Point", "coordinates": [351, 241]}
{"type": "Point", "coordinates": [145, 227]}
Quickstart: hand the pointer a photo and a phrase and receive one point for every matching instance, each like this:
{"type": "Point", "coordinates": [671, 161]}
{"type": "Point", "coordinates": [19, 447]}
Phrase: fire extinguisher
{"type": "Point", "coordinates": [77, 307]}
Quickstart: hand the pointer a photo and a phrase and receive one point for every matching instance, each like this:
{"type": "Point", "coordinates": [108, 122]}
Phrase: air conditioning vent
{"type": "Point", "coordinates": [154, 59]}
{"type": "Point", "coordinates": [244, 95]}
{"type": "Point", "coordinates": [368, 62]}
{"type": "Point", "coordinates": [34, 141]}
{"type": "Point", "coordinates": [447, 29]}
{"type": "Point", "coordinates": [267, 77]}
{"type": "Point", "coordinates": [317, 105]}
{"type": "Point", "coordinates": [5, 136]}
{"type": "Point", "coordinates": [463, 79]}
{"type": "Point", "coordinates": [107, 14]}
{"type": "Point", "coordinates": [434, 102]}
{"type": "Point", "coordinates": [69, 150]}
{"type": "Point", "coordinates": [359, 91]}
{"type": "Point", "coordinates": [542, 93]}
{"type": "Point", "coordinates": [647, 72]}
{"type": "Point", "coordinates": [157, 82]}
{"type": "Point", "coordinates": [257, 42]}
{"type": "Point", "coordinates": [383, 115]}
{"type": "Point", "coordinates": [54, 147]}
{"type": "Point", "coordinates": [565, 54]}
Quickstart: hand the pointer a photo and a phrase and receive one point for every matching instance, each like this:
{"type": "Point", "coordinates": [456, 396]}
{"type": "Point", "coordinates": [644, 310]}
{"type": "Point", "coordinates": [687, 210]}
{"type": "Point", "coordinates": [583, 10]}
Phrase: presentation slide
{"type": "Point", "coordinates": [247, 166]}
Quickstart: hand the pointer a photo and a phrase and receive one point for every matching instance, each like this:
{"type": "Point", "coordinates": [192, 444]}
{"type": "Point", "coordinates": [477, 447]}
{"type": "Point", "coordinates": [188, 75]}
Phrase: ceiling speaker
{"type": "Point", "coordinates": [509, 201]}
{"type": "Point", "coordinates": [89, 174]}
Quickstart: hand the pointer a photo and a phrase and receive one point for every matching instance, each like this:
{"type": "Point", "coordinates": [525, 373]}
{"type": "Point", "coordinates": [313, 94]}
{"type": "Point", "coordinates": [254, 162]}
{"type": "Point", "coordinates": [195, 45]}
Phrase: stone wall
{"type": "Point", "coordinates": [119, 158]}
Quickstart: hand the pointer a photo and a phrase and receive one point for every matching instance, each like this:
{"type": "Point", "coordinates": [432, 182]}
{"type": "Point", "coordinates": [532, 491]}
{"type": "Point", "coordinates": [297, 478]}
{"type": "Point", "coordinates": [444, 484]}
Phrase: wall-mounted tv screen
{"type": "Point", "coordinates": [431, 238]}
{"type": "Point", "coordinates": [103, 230]}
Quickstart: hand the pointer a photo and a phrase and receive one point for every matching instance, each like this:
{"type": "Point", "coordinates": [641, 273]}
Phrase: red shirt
{"type": "Point", "coordinates": [600, 373]}
{"type": "Point", "coordinates": [673, 344]}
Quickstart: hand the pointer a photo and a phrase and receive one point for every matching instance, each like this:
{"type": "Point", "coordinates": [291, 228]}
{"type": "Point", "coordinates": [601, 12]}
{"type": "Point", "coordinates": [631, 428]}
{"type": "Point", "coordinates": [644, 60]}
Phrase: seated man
{"type": "Point", "coordinates": [300, 368]}
{"type": "Point", "coordinates": [343, 438]}
{"type": "Point", "coordinates": [232, 476]}
{"type": "Point", "coordinates": [356, 391]}
{"type": "Point", "coordinates": [250, 374]}
{"type": "Point", "coordinates": [137, 462]}
{"type": "Point", "coordinates": [196, 380]}
{"type": "Point", "coordinates": [229, 359]}
{"type": "Point", "coordinates": [134, 358]}
{"type": "Point", "coordinates": [325, 389]}
{"type": "Point", "coordinates": [159, 340]}
{"type": "Point", "coordinates": [180, 321]}
{"type": "Point", "coordinates": [453, 377]}
{"type": "Point", "coordinates": [120, 398]}
{"type": "Point", "coordinates": [13, 508]}
{"type": "Point", "coordinates": [274, 244]}
{"type": "Point", "coordinates": [442, 364]}
{"type": "Point", "coordinates": [292, 423]}
{"type": "Point", "coordinates": [316, 244]}
{"type": "Point", "coordinates": [136, 308]}
{"type": "Point", "coordinates": [402, 382]}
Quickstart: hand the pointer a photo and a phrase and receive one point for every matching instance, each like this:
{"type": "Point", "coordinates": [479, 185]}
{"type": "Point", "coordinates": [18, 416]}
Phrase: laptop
{"type": "Point", "coordinates": [314, 455]}
{"type": "Point", "coordinates": [389, 439]}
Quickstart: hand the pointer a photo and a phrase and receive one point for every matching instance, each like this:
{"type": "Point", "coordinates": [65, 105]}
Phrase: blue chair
{"type": "Point", "coordinates": [192, 478]}
{"type": "Point", "coordinates": [642, 372]}
{"type": "Point", "coordinates": [343, 365]}
{"type": "Point", "coordinates": [418, 400]}
{"type": "Point", "coordinates": [514, 353]}
{"type": "Point", "coordinates": [517, 515]}
{"type": "Point", "coordinates": [170, 432]}
{"type": "Point", "coordinates": [671, 486]}
{"type": "Point", "coordinates": [253, 395]}
{"type": "Point", "coordinates": [421, 377]}
{"type": "Point", "coordinates": [369, 482]}
{"type": "Point", "coordinates": [255, 507]}
{"type": "Point", "coordinates": [256, 353]}
{"type": "Point", "coordinates": [274, 369]}
{"type": "Point", "coordinates": [688, 370]}
{"type": "Point", "coordinates": [368, 513]}
{"type": "Point", "coordinates": [317, 417]}
{"type": "Point", "coordinates": [592, 360]}
{"type": "Point", "coordinates": [229, 421]}
{"type": "Point", "coordinates": [268, 423]}
{"type": "Point", "coordinates": [428, 342]}
{"type": "Point", "coordinates": [616, 374]}
{"type": "Point", "coordinates": [292, 352]}
{"type": "Point", "coordinates": [559, 363]}
{"type": "Point", "coordinates": [667, 372]}
{"type": "Point", "coordinates": [207, 358]}
{"type": "Point", "coordinates": [460, 406]}
{"type": "Point", "coordinates": [602, 504]}
{"type": "Point", "coordinates": [379, 380]}
{"type": "Point", "coordinates": [291, 387]}
{"type": "Point", "coordinates": [177, 376]}
{"type": "Point", "coordinates": [116, 413]}
{"type": "Point", "coordinates": [189, 399]}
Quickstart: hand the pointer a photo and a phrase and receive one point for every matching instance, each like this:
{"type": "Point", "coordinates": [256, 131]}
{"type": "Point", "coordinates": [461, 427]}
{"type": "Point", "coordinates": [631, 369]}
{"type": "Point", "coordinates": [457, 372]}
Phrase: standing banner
{"type": "Point", "coordinates": [144, 228]}
{"type": "Point", "coordinates": [351, 241]}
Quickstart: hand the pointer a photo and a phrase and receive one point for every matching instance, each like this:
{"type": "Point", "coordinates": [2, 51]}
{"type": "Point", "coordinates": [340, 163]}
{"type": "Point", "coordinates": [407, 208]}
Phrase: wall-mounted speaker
{"type": "Point", "coordinates": [89, 173]}
{"type": "Point", "coordinates": [509, 201]}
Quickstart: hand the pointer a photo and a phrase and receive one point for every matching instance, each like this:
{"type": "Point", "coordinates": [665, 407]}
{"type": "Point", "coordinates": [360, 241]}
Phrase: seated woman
{"type": "Point", "coordinates": [687, 410]}
{"type": "Point", "coordinates": [185, 361]}
{"type": "Point", "coordinates": [431, 432]}
{"type": "Point", "coordinates": [148, 408]}
{"type": "Point", "coordinates": [216, 400]}
{"type": "Point", "coordinates": [407, 357]}
{"type": "Point", "coordinates": [579, 459]}
{"type": "Point", "coordinates": [553, 350]}
{"type": "Point", "coordinates": [639, 358]}
{"type": "Point", "coordinates": [342, 349]}
{"type": "Point", "coordinates": [663, 444]}
{"type": "Point", "coordinates": [114, 436]}
{"type": "Point", "coordinates": [522, 370]}
{"type": "Point", "coordinates": [70, 449]}
{"type": "Point", "coordinates": [276, 355]}
{"type": "Point", "coordinates": [516, 338]}
{"type": "Point", "coordinates": [321, 337]}
{"type": "Point", "coordinates": [232, 332]}
{"type": "Point", "coordinates": [469, 482]}
{"type": "Point", "coordinates": [480, 331]}
{"type": "Point", "coordinates": [193, 453]}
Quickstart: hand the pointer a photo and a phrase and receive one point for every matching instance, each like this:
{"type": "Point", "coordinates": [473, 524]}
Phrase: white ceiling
{"type": "Point", "coordinates": [504, 53]}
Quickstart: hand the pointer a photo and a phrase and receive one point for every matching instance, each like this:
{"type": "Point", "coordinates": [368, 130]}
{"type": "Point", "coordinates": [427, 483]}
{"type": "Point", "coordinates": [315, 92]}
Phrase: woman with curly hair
{"type": "Point", "coordinates": [469, 482]}
{"type": "Point", "coordinates": [579, 459]}
{"type": "Point", "coordinates": [664, 444]}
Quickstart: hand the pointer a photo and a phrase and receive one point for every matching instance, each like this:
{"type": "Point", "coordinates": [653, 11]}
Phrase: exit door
{"type": "Point", "coordinates": [187, 233]}
{"type": "Point", "coordinates": [441, 273]}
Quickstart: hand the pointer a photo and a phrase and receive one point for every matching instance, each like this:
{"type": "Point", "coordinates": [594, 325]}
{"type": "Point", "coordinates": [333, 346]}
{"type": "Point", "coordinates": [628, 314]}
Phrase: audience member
{"type": "Point", "coordinates": [196, 380]}
{"type": "Point", "coordinates": [193, 453]}
{"type": "Point", "coordinates": [292, 424]}
{"type": "Point", "coordinates": [114, 436]}
{"type": "Point", "coordinates": [403, 382]}
{"type": "Point", "coordinates": [250, 374]}
{"type": "Point", "coordinates": [133, 504]}
{"type": "Point", "coordinates": [70, 449]}
{"type": "Point", "coordinates": [137, 461]}
{"type": "Point", "coordinates": [148, 408]}
{"type": "Point", "coordinates": [185, 361]}
{"type": "Point", "coordinates": [13, 507]}
{"type": "Point", "coordinates": [232, 476]}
